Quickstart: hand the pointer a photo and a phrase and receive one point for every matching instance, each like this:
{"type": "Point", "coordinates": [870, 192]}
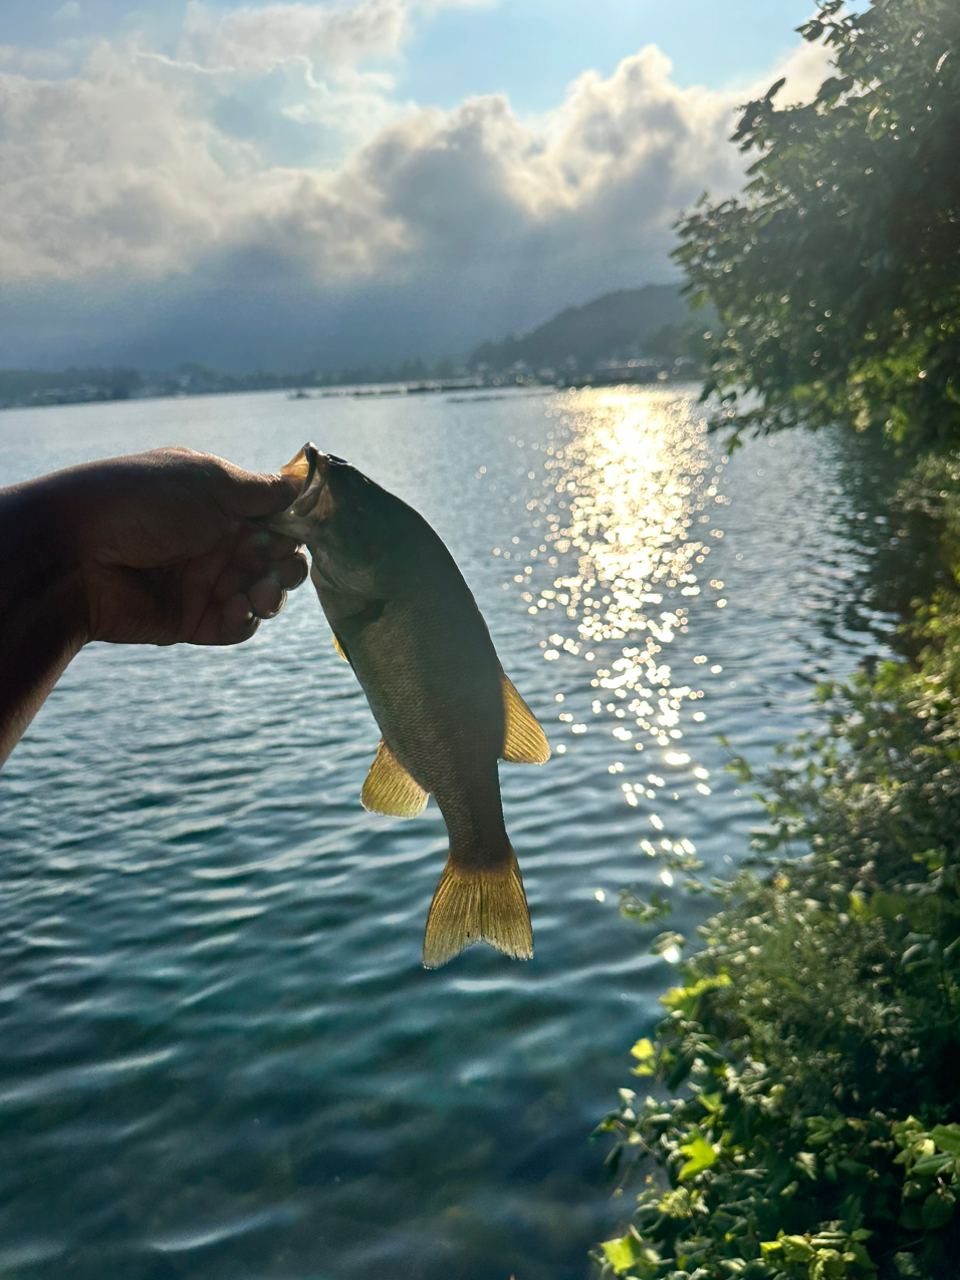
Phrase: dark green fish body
{"type": "Point", "coordinates": [407, 622]}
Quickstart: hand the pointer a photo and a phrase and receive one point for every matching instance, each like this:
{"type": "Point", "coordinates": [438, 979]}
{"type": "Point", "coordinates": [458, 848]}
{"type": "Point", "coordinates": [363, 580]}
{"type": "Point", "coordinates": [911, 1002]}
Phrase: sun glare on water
{"type": "Point", "coordinates": [629, 513]}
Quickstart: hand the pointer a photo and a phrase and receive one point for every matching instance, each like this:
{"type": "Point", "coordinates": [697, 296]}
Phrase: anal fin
{"type": "Point", "coordinates": [478, 906]}
{"type": "Point", "coordinates": [390, 789]}
{"type": "Point", "coordinates": [523, 741]}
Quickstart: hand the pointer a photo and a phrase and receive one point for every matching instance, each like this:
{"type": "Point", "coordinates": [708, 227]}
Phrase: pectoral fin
{"type": "Point", "coordinates": [390, 789]}
{"type": "Point", "coordinates": [524, 740]}
{"type": "Point", "coordinates": [338, 645]}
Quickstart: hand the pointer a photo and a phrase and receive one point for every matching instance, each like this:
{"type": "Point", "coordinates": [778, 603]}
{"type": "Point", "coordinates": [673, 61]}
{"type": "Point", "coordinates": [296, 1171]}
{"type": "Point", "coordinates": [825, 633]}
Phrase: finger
{"type": "Point", "coordinates": [237, 579]}
{"type": "Point", "coordinates": [237, 621]}
{"type": "Point", "coordinates": [252, 493]}
{"type": "Point", "coordinates": [257, 548]}
{"type": "Point", "coordinates": [281, 546]}
{"type": "Point", "coordinates": [266, 597]}
{"type": "Point", "coordinates": [291, 572]}
{"type": "Point", "coordinates": [233, 581]}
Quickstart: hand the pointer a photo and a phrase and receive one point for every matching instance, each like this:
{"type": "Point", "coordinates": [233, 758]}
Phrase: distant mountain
{"type": "Point", "coordinates": [633, 335]}
{"type": "Point", "coordinates": [613, 327]}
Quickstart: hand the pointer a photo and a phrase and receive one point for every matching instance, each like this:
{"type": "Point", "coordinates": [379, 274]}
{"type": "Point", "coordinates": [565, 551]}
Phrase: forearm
{"type": "Point", "coordinates": [42, 604]}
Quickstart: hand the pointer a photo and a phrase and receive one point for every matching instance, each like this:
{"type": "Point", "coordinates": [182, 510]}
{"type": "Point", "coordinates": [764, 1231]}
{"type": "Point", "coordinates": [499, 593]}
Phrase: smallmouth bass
{"type": "Point", "coordinates": [405, 619]}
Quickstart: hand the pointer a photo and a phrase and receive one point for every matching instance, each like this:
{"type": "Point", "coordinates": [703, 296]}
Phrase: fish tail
{"type": "Point", "coordinates": [472, 905]}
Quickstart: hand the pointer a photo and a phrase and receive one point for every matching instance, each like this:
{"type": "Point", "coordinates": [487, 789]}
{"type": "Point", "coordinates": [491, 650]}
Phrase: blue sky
{"type": "Point", "coordinates": [530, 49]}
{"type": "Point", "coordinates": [313, 182]}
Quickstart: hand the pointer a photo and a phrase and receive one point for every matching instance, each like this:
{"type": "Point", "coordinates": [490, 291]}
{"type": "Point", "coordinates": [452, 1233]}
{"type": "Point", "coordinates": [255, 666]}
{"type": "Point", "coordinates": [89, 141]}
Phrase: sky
{"type": "Point", "coordinates": [327, 183]}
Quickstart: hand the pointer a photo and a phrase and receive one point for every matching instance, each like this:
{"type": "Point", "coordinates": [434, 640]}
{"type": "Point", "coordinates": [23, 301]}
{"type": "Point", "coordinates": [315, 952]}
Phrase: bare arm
{"type": "Point", "coordinates": [153, 549]}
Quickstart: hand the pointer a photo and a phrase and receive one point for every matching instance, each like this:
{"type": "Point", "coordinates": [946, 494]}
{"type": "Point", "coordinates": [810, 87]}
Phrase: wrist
{"type": "Point", "coordinates": [42, 599]}
{"type": "Point", "coordinates": [43, 613]}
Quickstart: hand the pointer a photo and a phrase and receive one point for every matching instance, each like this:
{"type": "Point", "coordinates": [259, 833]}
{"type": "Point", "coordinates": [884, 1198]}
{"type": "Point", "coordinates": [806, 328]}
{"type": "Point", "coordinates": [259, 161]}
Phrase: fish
{"type": "Point", "coordinates": [406, 621]}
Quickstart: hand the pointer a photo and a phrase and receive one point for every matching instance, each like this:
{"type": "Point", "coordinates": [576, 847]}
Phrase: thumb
{"type": "Point", "coordinates": [253, 493]}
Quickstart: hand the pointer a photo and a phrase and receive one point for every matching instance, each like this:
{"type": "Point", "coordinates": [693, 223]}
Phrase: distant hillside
{"type": "Point", "coordinates": [613, 327]}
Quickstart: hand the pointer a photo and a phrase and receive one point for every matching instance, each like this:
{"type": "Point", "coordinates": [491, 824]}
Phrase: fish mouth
{"type": "Point", "coordinates": [315, 500]}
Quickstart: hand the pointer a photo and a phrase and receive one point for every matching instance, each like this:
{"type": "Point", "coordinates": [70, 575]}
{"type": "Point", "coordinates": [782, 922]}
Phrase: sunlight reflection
{"type": "Point", "coordinates": [627, 516]}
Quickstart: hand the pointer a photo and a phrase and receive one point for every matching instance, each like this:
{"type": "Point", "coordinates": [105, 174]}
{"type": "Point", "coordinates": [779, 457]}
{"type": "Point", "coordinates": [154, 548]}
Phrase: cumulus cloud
{"type": "Point", "coordinates": [124, 167]}
{"type": "Point", "coordinates": [137, 167]}
{"type": "Point", "coordinates": [107, 171]}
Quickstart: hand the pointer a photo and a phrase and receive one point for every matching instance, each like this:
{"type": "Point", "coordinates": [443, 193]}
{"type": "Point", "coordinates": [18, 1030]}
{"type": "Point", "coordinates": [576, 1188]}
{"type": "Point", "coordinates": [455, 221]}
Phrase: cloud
{"type": "Point", "coordinates": [142, 168]}
{"type": "Point", "coordinates": [255, 37]}
{"type": "Point", "coordinates": [804, 70]}
{"type": "Point", "coordinates": [251, 38]}
{"type": "Point", "coordinates": [105, 172]}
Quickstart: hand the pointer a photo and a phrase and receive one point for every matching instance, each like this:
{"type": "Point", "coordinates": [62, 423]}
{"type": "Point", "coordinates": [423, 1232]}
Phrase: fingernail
{"type": "Point", "coordinates": [273, 613]}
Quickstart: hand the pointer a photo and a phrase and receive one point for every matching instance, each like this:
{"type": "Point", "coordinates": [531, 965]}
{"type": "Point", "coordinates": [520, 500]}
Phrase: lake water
{"type": "Point", "coordinates": [220, 1056]}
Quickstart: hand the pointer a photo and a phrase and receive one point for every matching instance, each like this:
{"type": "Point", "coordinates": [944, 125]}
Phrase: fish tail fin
{"type": "Point", "coordinates": [472, 905]}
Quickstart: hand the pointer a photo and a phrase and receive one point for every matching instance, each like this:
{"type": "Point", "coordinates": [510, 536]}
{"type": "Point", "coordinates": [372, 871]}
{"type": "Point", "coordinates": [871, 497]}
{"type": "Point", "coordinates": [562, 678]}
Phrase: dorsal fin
{"type": "Point", "coordinates": [338, 645]}
{"type": "Point", "coordinates": [390, 789]}
{"type": "Point", "coordinates": [523, 741]}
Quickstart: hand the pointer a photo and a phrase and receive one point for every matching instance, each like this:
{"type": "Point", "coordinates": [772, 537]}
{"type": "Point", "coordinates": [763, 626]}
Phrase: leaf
{"type": "Point", "coordinates": [620, 1253]}
{"type": "Point", "coordinates": [700, 1155]}
{"type": "Point", "coordinates": [932, 1166]}
{"type": "Point", "coordinates": [858, 908]}
{"type": "Point", "coordinates": [646, 1055]}
{"type": "Point", "coordinates": [938, 1209]}
{"type": "Point", "coordinates": [890, 905]}
{"type": "Point", "coordinates": [947, 1138]}
{"type": "Point", "coordinates": [634, 907]}
{"type": "Point", "coordinates": [630, 1255]}
{"type": "Point", "coordinates": [686, 999]}
{"type": "Point", "coordinates": [792, 1248]}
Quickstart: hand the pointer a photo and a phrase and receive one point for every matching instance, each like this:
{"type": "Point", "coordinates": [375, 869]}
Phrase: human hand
{"type": "Point", "coordinates": [166, 550]}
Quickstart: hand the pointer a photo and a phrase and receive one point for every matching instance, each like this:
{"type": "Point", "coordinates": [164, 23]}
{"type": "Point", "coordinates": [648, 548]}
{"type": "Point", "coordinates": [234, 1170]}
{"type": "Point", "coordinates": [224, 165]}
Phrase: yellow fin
{"type": "Point", "coordinates": [524, 740]}
{"type": "Point", "coordinates": [339, 647]}
{"type": "Point", "coordinates": [478, 906]}
{"type": "Point", "coordinates": [390, 789]}
{"type": "Point", "coordinates": [297, 468]}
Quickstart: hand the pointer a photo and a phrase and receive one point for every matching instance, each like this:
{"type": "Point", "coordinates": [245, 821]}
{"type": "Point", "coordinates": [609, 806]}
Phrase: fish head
{"type": "Point", "coordinates": [356, 532]}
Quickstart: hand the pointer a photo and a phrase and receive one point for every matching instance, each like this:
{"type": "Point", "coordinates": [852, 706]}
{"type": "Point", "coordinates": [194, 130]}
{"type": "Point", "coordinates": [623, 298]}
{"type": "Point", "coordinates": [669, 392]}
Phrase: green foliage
{"type": "Point", "coordinates": [635, 908]}
{"type": "Point", "coordinates": [682, 341]}
{"type": "Point", "coordinates": [836, 275]}
{"type": "Point", "coordinates": [811, 1126]}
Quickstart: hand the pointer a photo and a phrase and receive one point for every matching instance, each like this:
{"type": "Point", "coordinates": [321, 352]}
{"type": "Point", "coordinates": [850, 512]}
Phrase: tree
{"type": "Point", "coordinates": [836, 274]}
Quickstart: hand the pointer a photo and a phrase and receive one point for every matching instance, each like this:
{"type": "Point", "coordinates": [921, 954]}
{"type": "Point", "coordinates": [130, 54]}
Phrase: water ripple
{"type": "Point", "coordinates": [210, 953]}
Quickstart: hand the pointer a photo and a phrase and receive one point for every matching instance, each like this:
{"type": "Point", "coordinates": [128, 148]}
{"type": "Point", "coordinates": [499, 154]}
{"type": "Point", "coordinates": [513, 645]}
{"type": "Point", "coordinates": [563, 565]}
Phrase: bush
{"type": "Point", "coordinates": [835, 274]}
{"type": "Point", "coordinates": [811, 1054]}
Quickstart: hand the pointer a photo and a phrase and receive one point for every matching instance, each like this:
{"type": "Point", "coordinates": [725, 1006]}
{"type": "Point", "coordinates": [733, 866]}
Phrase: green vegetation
{"type": "Point", "coordinates": [805, 1112]}
{"type": "Point", "coordinates": [813, 1127]}
{"type": "Point", "coordinates": [836, 275]}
